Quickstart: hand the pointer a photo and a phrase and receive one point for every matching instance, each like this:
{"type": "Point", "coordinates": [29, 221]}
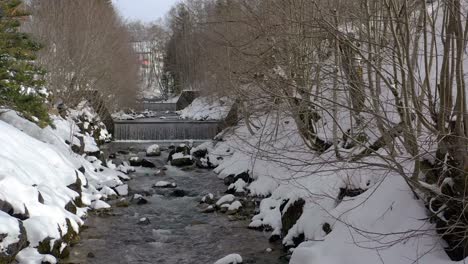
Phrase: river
{"type": "Point", "coordinates": [177, 232]}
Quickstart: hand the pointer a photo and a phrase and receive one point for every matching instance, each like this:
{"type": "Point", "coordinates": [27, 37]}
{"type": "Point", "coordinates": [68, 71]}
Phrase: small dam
{"type": "Point", "coordinates": [166, 125]}
{"type": "Point", "coordinates": [165, 128]}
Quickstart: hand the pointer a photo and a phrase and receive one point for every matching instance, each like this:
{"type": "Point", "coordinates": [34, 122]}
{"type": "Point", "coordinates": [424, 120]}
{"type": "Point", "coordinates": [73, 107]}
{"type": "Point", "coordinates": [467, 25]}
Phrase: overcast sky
{"type": "Point", "coordinates": [144, 10]}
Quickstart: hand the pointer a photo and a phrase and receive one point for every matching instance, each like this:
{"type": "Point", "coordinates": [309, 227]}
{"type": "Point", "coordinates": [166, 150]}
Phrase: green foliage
{"type": "Point", "coordinates": [20, 78]}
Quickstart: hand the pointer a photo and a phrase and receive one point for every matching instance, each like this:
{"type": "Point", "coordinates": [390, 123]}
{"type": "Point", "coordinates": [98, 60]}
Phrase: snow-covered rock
{"type": "Point", "coordinates": [122, 190]}
{"type": "Point", "coordinates": [97, 205]}
{"type": "Point", "coordinates": [228, 198]}
{"type": "Point", "coordinates": [165, 184]}
{"type": "Point", "coordinates": [230, 259]}
{"type": "Point", "coordinates": [204, 108]}
{"type": "Point", "coordinates": [153, 150]}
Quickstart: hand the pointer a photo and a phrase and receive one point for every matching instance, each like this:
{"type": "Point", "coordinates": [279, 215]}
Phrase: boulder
{"type": "Point", "coordinates": [209, 209]}
{"type": "Point", "coordinates": [291, 215]}
{"type": "Point", "coordinates": [183, 161]}
{"type": "Point", "coordinates": [144, 221]}
{"type": "Point", "coordinates": [208, 199]}
{"type": "Point", "coordinates": [153, 151]}
{"type": "Point", "coordinates": [147, 164]}
{"type": "Point", "coordinates": [164, 184]}
{"type": "Point", "coordinates": [178, 193]}
{"type": "Point", "coordinates": [137, 162]}
{"type": "Point", "coordinates": [8, 208]}
{"type": "Point", "coordinates": [200, 153]}
{"type": "Point", "coordinates": [230, 179]}
{"type": "Point", "coordinates": [8, 255]}
{"type": "Point", "coordinates": [182, 148]}
{"type": "Point", "coordinates": [55, 247]}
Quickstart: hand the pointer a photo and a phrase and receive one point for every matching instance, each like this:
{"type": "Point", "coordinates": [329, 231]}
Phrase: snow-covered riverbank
{"type": "Point", "coordinates": [45, 187]}
{"type": "Point", "coordinates": [326, 210]}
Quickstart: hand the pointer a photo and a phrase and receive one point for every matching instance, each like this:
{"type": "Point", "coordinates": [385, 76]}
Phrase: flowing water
{"type": "Point", "coordinates": [165, 127]}
{"type": "Point", "coordinates": [178, 233]}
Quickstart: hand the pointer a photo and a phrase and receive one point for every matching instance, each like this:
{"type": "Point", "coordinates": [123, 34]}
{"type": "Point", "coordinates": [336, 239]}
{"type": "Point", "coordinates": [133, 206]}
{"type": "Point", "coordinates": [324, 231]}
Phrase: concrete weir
{"type": "Point", "coordinates": [151, 129]}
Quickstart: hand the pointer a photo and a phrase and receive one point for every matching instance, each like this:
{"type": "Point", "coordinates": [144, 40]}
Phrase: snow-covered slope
{"type": "Point", "coordinates": [382, 223]}
{"type": "Point", "coordinates": [204, 108]}
{"type": "Point", "coordinates": [44, 186]}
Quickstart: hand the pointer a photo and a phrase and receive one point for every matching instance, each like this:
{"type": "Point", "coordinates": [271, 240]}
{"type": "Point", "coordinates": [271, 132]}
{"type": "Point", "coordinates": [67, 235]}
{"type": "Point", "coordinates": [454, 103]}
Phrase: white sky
{"type": "Point", "coordinates": [144, 10]}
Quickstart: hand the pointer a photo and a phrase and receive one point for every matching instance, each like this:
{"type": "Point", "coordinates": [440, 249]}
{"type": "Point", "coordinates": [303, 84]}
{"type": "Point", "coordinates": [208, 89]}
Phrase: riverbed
{"type": "Point", "coordinates": [177, 231]}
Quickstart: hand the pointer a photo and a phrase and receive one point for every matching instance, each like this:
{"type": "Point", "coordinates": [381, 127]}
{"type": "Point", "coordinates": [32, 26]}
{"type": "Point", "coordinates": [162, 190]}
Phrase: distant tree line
{"type": "Point", "coordinates": [86, 51]}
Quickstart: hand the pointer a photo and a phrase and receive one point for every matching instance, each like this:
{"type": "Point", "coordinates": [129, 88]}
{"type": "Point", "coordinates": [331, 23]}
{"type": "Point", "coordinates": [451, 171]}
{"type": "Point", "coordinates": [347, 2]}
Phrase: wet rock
{"type": "Point", "coordinates": [56, 248]}
{"type": "Point", "coordinates": [182, 161]}
{"type": "Point", "coordinates": [82, 169]}
{"type": "Point", "coordinates": [144, 221]}
{"type": "Point", "coordinates": [147, 164]}
{"type": "Point", "coordinates": [178, 193]}
{"type": "Point", "coordinates": [112, 156]}
{"type": "Point", "coordinates": [229, 180]}
{"type": "Point", "coordinates": [204, 163]}
{"type": "Point", "coordinates": [209, 209]}
{"type": "Point", "coordinates": [123, 152]}
{"type": "Point", "coordinates": [8, 208]}
{"type": "Point", "coordinates": [76, 186]}
{"type": "Point", "coordinates": [274, 238]}
{"type": "Point", "coordinates": [182, 148]}
{"type": "Point", "coordinates": [7, 255]}
{"type": "Point", "coordinates": [200, 153]}
{"type": "Point", "coordinates": [245, 176]}
{"type": "Point", "coordinates": [135, 161]}
{"type": "Point", "coordinates": [139, 162]}
{"type": "Point", "coordinates": [208, 199]}
{"type": "Point", "coordinates": [141, 201]}
{"type": "Point", "coordinates": [40, 199]}
{"type": "Point", "coordinates": [90, 255]}
{"type": "Point", "coordinates": [344, 192]}
{"type": "Point", "coordinates": [223, 209]}
{"type": "Point", "coordinates": [71, 207]}
{"type": "Point", "coordinates": [326, 228]}
{"type": "Point", "coordinates": [291, 215]}
{"type": "Point", "coordinates": [71, 237]}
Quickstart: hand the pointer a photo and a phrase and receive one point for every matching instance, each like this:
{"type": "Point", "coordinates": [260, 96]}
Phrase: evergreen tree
{"type": "Point", "coordinates": [21, 80]}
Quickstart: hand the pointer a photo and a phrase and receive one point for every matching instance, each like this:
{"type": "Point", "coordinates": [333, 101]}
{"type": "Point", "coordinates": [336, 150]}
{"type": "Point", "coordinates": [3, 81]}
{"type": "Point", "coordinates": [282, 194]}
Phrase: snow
{"type": "Point", "coordinates": [100, 205]}
{"type": "Point", "coordinates": [385, 224]}
{"type": "Point", "coordinates": [164, 184]}
{"type": "Point", "coordinates": [225, 199]}
{"type": "Point", "coordinates": [122, 190]}
{"type": "Point", "coordinates": [239, 186]}
{"type": "Point", "coordinates": [9, 226]}
{"type": "Point", "coordinates": [207, 197]}
{"type": "Point", "coordinates": [32, 256]}
{"type": "Point", "coordinates": [235, 206]}
{"type": "Point", "coordinates": [204, 108]}
{"type": "Point", "coordinates": [230, 259]}
{"type": "Point", "coordinates": [179, 156]}
{"type": "Point", "coordinates": [38, 161]}
{"type": "Point", "coordinates": [152, 149]}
